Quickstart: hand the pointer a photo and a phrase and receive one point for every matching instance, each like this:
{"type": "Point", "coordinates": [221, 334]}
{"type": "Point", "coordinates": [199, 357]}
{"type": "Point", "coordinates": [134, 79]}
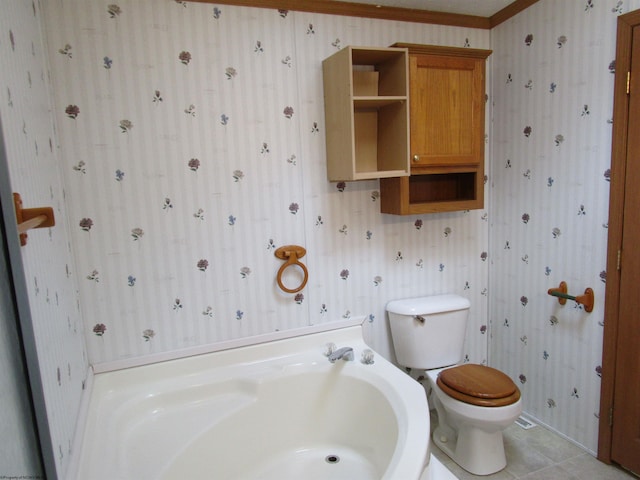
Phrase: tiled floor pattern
{"type": "Point", "coordinates": [539, 454]}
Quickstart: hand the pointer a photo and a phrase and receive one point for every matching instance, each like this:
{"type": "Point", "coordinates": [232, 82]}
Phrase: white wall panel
{"type": "Point", "coordinates": [560, 85]}
{"type": "Point", "coordinates": [49, 270]}
{"type": "Point", "coordinates": [276, 59]}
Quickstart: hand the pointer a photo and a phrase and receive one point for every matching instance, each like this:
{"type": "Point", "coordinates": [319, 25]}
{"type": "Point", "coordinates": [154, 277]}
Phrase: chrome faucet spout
{"type": "Point", "coordinates": [344, 353]}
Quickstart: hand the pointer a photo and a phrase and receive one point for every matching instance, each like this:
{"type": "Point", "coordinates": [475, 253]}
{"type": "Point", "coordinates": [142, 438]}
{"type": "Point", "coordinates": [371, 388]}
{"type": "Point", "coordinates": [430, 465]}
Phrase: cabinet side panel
{"type": "Point", "coordinates": [338, 115]}
{"type": "Point", "coordinates": [366, 140]}
{"type": "Point", "coordinates": [394, 195]}
{"type": "Point", "coordinates": [393, 137]}
{"type": "Point", "coordinates": [480, 100]}
{"type": "Point", "coordinates": [394, 75]}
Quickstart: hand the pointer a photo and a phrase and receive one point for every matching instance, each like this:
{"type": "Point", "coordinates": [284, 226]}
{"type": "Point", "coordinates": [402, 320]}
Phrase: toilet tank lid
{"type": "Point", "coordinates": [428, 305]}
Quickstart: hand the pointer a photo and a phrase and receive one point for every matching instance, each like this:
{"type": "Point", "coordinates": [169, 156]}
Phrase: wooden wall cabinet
{"type": "Point", "coordinates": [366, 113]}
{"type": "Point", "coordinates": [447, 105]}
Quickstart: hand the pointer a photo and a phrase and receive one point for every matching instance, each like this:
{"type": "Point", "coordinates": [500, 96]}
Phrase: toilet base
{"type": "Point", "coordinates": [477, 451]}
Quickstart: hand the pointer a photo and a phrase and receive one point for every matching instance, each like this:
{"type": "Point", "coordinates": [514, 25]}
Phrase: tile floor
{"type": "Point", "coordinates": [539, 454]}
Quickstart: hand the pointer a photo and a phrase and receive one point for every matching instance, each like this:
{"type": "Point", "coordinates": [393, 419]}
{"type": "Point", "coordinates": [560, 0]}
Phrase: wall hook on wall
{"type": "Point", "coordinates": [561, 293]}
{"type": "Point", "coordinates": [29, 218]}
{"type": "Point", "coordinates": [291, 253]}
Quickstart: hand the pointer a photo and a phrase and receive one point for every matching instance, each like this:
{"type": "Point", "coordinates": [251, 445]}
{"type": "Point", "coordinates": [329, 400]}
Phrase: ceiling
{"type": "Point", "coordinates": [481, 8]}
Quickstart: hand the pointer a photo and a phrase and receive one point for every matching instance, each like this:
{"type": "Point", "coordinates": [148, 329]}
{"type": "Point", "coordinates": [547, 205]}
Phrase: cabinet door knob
{"type": "Point", "coordinates": [416, 158]}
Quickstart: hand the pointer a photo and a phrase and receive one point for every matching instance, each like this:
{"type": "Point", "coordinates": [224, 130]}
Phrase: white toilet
{"type": "Point", "coordinates": [474, 403]}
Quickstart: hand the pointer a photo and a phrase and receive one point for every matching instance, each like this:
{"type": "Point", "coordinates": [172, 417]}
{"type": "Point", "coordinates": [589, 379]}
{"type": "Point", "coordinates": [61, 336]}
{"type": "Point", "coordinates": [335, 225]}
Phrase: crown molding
{"type": "Point", "coordinates": [509, 11]}
{"type": "Point", "coordinates": [352, 9]}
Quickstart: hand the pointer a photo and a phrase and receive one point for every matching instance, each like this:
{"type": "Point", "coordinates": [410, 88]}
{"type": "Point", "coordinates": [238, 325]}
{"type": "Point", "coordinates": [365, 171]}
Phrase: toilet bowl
{"type": "Point", "coordinates": [474, 403]}
{"type": "Point", "coordinates": [471, 435]}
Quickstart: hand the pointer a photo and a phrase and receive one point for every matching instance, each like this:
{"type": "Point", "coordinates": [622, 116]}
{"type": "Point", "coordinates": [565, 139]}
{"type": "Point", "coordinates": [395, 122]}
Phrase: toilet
{"type": "Point", "coordinates": [474, 403]}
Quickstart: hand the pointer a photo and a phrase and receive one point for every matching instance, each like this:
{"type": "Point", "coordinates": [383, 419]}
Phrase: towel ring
{"type": "Point", "coordinates": [291, 253]}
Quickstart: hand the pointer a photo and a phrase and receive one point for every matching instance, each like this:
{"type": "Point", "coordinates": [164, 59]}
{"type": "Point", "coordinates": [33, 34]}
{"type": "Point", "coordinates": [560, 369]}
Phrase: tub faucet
{"type": "Point", "coordinates": [344, 353]}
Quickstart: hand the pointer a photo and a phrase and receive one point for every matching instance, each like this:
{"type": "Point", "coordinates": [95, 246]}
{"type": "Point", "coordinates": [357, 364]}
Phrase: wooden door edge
{"type": "Point", "coordinates": [626, 23]}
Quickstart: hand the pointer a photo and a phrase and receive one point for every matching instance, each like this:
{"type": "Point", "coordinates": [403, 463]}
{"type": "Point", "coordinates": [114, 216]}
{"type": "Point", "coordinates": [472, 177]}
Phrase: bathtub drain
{"type": "Point", "coordinates": [332, 459]}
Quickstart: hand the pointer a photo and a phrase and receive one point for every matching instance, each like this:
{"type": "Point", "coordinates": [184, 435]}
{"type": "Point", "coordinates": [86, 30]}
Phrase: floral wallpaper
{"type": "Point", "coordinates": [190, 141]}
{"type": "Point", "coordinates": [29, 138]}
{"type": "Point", "coordinates": [553, 72]}
{"type": "Point", "coordinates": [192, 147]}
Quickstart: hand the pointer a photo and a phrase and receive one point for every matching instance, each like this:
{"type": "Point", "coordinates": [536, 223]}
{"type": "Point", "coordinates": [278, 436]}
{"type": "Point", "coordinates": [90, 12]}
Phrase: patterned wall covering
{"type": "Point", "coordinates": [192, 146]}
{"type": "Point", "coordinates": [27, 124]}
{"type": "Point", "coordinates": [553, 102]}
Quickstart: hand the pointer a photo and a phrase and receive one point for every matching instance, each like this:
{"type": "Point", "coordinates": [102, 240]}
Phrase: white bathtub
{"type": "Point", "coordinates": [278, 410]}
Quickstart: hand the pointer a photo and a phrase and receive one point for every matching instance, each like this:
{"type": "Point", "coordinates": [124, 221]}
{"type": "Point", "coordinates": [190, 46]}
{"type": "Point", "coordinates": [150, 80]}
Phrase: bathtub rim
{"type": "Point", "coordinates": [225, 345]}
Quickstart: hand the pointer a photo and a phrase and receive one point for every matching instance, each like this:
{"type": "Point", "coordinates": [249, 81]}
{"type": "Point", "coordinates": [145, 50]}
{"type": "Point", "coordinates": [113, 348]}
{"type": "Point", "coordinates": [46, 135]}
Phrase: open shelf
{"type": "Point", "coordinates": [376, 102]}
{"type": "Point", "coordinates": [443, 187]}
{"type": "Point", "coordinates": [366, 113]}
{"type": "Point", "coordinates": [431, 193]}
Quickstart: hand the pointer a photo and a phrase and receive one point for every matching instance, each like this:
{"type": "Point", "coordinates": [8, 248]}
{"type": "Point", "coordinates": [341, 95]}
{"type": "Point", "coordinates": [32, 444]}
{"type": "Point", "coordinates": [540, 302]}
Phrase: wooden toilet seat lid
{"type": "Point", "coordinates": [478, 385]}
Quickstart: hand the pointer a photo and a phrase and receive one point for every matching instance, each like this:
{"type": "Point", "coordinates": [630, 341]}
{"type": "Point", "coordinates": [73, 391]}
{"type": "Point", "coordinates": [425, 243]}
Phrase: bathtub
{"type": "Point", "coordinates": [276, 410]}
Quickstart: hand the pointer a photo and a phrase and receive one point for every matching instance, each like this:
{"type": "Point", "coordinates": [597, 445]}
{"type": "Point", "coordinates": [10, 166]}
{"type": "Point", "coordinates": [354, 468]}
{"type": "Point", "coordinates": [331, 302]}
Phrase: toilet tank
{"type": "Point", "coordinates": [429, 332]}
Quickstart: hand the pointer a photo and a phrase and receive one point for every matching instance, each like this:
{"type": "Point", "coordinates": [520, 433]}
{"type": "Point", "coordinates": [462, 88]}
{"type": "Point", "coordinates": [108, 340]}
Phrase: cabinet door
{"type": "Point", "coordinates": [447, 111]}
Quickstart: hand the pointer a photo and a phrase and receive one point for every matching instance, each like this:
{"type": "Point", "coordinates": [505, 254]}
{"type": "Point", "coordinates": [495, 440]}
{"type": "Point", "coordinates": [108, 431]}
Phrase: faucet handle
{"type": "Point", "coordinates": [329, 348]}
{"type": "Point", "coordinates": [344, 353]}
{"type": "Point", "coordinates": [367, 357]}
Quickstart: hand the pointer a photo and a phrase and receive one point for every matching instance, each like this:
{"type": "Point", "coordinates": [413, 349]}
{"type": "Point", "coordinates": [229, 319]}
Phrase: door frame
{"type": "Point", "coordinates": [626, 23]}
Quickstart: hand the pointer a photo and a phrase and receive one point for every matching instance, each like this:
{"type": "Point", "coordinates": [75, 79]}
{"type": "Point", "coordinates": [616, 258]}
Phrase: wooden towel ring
{"type": "Point", "coordinates": [291, 253]}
